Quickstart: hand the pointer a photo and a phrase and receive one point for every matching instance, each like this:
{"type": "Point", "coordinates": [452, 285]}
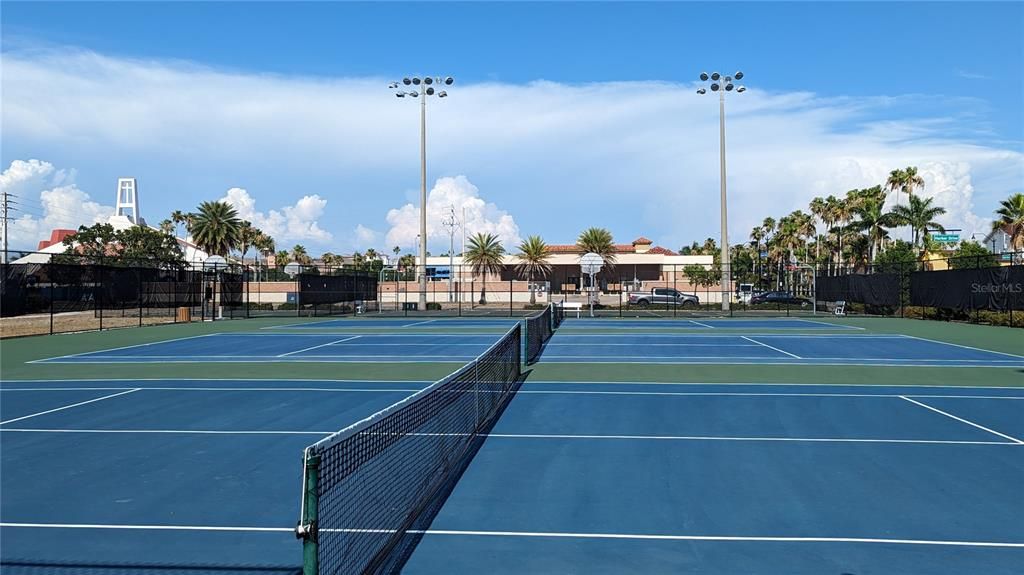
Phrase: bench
{"type": "Point", "coordinates": [837, 308]}
{"type": "Point", "coordinates": [573, 305]}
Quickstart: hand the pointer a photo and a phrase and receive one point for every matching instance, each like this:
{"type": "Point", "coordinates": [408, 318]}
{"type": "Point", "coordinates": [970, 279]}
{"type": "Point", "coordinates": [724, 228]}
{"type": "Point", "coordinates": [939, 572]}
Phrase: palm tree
{"type": "Point", "coordinates": [178, 217]}
{"type": "Point", "coordinates": [328, 259]}
{"type": "Point", "coordinates": [167, 227]}
{"type": "Point", "coordinates": [486, 254]}
{"type": "Point", "coordinates": [533, 260]}
{"type": "Point", "coordinates": [300, 255]}
{"type": "Point", "coordinates": [281, 258]}
{"type": "Point", "coordinates": [358, 260]}
{"type": "Point", "coordinates": [215, 228]}
{"type": "Point", "coordinates": [246, 235]}
{"type": "Point", "coordinates": [873, 219]}
{"type": "Point", "coordinates": [1011, 215]}
{"type": "Point", "coordinates": [264, 245]}
{"type": "Point", "coordinates": [598, 241]}
{"type": "Point", "coordinates": [919, 214]}
{"type": "Point", "coordinates": [819, 209]}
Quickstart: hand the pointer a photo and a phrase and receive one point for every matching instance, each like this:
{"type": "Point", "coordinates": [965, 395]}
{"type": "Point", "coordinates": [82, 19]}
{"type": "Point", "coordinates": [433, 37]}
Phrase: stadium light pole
{"type": "Point", "coordinates": [423, 87]}
{"type": "Point", "coordinates": [726, 85]}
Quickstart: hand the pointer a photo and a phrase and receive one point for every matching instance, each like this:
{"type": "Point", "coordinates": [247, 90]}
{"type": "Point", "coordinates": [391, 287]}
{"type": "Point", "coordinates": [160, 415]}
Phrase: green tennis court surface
{"type": "Point", "coordinates": [616, 463]}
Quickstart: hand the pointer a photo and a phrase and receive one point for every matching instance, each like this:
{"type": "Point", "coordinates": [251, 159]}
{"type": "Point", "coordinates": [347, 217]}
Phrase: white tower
{"type": "Point", "coordinates": [128, 200]}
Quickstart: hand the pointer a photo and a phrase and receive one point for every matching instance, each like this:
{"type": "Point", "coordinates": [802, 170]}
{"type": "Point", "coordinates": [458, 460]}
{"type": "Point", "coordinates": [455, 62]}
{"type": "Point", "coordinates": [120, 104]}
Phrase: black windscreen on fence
{"type": "Point", "coordinates": [231, 289]}
{"type": "Point", "coordinates": [346, 286]}
{"type": "Point", "coordinates": [874, 289]}
{"type": "Point", "coordinates": [171, 288]}
{"type": "Point", "coordinates": [996, 289]}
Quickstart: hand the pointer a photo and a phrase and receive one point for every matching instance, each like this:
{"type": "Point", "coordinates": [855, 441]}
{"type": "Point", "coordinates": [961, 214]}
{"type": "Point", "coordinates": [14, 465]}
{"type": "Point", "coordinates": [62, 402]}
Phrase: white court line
{"type": "Point", "coordinates": [645, 344]}
{"type": "Point", "coordinates": [631, 361]}
{"type": "Point", "coordinates": [752, 383]}
{"type": "Point", "coordinates": [774, 348]}
{"type": "Point", "coordinates": [535, 392]}
{"type": "Point", "coordinates": [701, 324]}
{"type": "Point", "coordinates": [528, 436]}
{"type": "Point", "coordinates": [965, 346]}
{"type": "Point", "coordinates": [70, 406]}
{"type": "Point", "coordinates": [916, 386]}
{"type": "Point", "coordinates": [185, 431]}
{"type": "Point", "coordinates": [541, 534]}
{"type": "Point", "coordinates": [319, 346]}
{"type": "Point", "coordinates": [832, 325]}
{"type": "Point", "coordinates": [962, 420]}
{"type": "Point", "coordinates": [419, 323]}
{"type": "Point", "coordinates": [548, 534]}
{"type": "Point", "coordinates": [733, 335]}
{"type": "Point", "coordinates": [125, 347]}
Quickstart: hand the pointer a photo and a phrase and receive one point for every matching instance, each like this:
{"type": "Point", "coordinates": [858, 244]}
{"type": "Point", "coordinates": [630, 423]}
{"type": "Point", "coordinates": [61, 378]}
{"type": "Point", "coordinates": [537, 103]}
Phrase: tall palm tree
{"type": "Point", "coordinates": [246, 235]}
{"type": "Point", "coordinates": [819, 209]}
{"type": "Point", "coordinates": [358, 261]}
{"type": "Point", "coordinates": [167, 227]}
{"type": "Point", "coordinates": [282, 258]}
{"type": "Point", "coordinates": [300, 255]}
{"type": "Point", "coordinates": [178, 217]}
{"type": "Point", "coordinates": [919, 214]}
{"type": "Point", "coordinates": [1011, 215]}
{"type": "Point", "coordinates": [486, 254]}
{"type": "Point", "coordinates": [215, 228]}
{"type": "Point", "coordinates": [873, 219]}
{"type": "Point", "coordinates": [598, 241]}
{"type": "Point", "coordinates": [263, 244]}
{"type": "Point", "coordinates": [533, 260]}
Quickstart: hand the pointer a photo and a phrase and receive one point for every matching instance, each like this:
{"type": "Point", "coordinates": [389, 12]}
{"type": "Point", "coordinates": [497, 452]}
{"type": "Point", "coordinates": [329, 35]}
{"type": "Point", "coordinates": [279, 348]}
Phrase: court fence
{"type": "Point", "coordinates": [41, 298]}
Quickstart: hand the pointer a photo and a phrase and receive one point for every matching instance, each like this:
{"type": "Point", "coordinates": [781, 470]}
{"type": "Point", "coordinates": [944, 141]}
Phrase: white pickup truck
{"type": "Point", "coordinates": [663, 296]}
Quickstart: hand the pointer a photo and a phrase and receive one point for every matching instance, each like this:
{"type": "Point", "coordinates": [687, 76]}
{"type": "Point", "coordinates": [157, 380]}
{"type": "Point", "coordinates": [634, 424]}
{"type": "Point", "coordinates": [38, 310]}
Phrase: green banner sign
{"type": "Point", "coordinates": [946, 237]}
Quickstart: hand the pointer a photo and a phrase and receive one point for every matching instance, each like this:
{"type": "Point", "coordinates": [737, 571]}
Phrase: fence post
{"type": "Point", "coordinates": [138, 275]}
{"type": "Point", "coordinates": [510, 288]}
{"type": "Point", "coordinates": [97, 292]}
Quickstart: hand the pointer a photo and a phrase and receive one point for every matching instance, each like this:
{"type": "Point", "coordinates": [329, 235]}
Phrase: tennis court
{"type": "Point", "coordinates": [886, 462]}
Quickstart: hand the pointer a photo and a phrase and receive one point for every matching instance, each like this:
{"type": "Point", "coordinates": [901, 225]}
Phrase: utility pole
{"type": "Point", "coordinates": [5, 206]}
{"type": "Point", "coordinates": [452, 223]}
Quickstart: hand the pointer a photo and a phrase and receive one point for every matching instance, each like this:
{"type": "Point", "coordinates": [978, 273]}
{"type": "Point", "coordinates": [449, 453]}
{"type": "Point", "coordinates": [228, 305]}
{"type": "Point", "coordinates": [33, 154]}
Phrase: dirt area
{"type": "Point", "coordinates": [39, 324]}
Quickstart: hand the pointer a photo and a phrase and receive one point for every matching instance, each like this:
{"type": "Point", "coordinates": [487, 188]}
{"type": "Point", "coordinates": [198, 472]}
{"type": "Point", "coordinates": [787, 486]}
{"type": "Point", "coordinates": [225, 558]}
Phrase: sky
{"type": "Point", "coordinates": [562, 116]}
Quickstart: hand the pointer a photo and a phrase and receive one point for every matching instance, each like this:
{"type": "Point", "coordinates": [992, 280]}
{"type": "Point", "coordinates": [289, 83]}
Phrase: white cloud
{"type": "Point", "coordinates": [366, 237]}
{"type": "Point", "coordinates": [43, 199]}
{"type": "Point", "coordinates": [458, 193]}
{"type": "Point", "coordinates": [640, 158]}
{"type": "Point", "coordinates": [298, 222]}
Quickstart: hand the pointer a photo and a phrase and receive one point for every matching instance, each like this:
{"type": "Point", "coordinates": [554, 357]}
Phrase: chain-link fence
{"type": "Point", "coordinates": [50, 298]}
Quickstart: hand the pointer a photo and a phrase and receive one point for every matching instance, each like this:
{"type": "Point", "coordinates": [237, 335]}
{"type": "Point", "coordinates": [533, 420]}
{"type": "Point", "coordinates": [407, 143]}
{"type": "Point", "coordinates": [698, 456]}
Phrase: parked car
{"type": "Point", "coordinates": [780, 297]}
{"type": "Point", "coordinates": [664, 296]}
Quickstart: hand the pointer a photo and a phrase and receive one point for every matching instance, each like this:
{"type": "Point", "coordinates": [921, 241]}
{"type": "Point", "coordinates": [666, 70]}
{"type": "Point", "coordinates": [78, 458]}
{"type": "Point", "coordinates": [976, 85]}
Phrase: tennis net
{"type": "Point", "coordinates": [557, 316]}
{"type": "Point", "coordinates": [371, 489]}
{"type": "Point", "coordinates": [538, 332]}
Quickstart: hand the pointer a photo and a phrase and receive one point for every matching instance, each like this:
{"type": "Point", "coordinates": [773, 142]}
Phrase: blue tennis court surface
{"type": "Point", "coordinates": [732, 348]}
{"type": "Point", "coordinates": [271, 347]}
{"type": "Point", "coordinates": [576, 477]}
{"type": "Point", "coordinates": [371, 322]}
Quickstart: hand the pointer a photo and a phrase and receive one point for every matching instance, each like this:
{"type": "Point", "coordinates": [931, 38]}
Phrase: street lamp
{"type": "Point", "coordinates": [421, 88]}
{"type": "Point", "coordinates": [723, 84]}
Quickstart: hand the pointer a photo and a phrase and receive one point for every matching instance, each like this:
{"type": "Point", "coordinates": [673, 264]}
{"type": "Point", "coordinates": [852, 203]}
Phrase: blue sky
{"type": "Point", "coordinates": [563, 115]}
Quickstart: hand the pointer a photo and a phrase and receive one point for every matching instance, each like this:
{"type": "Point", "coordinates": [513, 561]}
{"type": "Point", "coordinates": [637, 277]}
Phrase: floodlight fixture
{"type": "Point", "coordinates": [426, 88]}
{"type": "Point", "coordinates": [723, 84]}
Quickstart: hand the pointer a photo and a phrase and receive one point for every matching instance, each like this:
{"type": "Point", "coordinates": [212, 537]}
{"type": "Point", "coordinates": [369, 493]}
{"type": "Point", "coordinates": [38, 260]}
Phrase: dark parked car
{"type": "Point", "coordinates": [779, 297]}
